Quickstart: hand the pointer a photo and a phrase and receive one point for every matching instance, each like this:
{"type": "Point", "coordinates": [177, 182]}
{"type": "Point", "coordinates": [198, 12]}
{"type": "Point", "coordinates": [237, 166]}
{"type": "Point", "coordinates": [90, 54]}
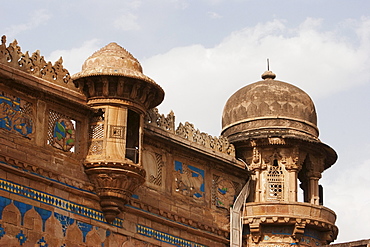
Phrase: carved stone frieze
{"type": "Point", "coordinates": [220, 144]}
{"type": "Point", "coordinates": [35, 64]}
{"type": "Point", "coordinates": [160, 120]}
{"type": "Point", "coordinates": [188, 132]}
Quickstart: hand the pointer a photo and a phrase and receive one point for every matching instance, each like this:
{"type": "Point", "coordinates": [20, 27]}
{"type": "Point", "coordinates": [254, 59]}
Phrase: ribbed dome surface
{"type": "Point", "coordinates": [269, 108]}
{"type": "Point", "coordinates": [114, 60]}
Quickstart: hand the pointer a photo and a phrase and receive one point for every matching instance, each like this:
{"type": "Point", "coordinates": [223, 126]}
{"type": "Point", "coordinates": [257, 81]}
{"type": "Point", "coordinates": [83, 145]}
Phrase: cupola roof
{"type": "Point", "coordinates": [269, 107]}
{"type": "Point", "coordinates": [113, 60]}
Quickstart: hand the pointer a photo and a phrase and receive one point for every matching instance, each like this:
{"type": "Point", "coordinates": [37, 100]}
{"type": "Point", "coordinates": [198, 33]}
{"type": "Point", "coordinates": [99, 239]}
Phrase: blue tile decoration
{"type": "Point", "coordinates": [3, 203]}
{"type": "Point", "coordinates": [44, 214]}
{"type": "Point", "coordinates": [2, 231]}
{"type": "Point", "coordinates": [85, 229]}
{"type": "Point", "coordinates": [63, 134]}
{"type": "Point", "coordinates": [165, 237]}
{"type": "Point", "coordinates": [65, 221]}
{"type": "Point", "coordinates": [13, 117]}
{"type": "Point", "coordinates": [55, 201]}
{"type": "Point", "coordinates": [23, 208]}
{"type": "Point", "coordinates": [21, 237]}
{"type": "Point", "coordinates": [42, 243]}
{"type": "Point", "coordinates": [189, 179]}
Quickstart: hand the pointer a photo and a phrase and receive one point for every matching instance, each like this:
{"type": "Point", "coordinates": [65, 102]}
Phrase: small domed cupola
{"type": "Point", "coordinates": [114, 83]}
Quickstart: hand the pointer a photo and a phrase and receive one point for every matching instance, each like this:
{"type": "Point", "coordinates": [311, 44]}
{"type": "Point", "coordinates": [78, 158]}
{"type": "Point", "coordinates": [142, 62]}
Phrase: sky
{"type": "Point", "coordinates": [202, 51]}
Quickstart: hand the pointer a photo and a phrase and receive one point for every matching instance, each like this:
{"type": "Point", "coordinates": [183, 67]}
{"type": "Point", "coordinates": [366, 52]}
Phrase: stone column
{"type": "Point", "coordinates": [313, 187]}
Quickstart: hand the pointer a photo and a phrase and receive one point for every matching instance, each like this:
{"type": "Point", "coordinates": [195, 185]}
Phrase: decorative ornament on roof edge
{"type": "Point", "coordinates": [35, 64]}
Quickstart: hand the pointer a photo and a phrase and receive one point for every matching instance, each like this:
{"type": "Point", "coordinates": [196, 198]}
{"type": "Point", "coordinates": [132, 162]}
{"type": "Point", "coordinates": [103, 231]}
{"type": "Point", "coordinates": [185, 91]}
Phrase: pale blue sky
{"type": "Point", "coordinates": [202, 51]}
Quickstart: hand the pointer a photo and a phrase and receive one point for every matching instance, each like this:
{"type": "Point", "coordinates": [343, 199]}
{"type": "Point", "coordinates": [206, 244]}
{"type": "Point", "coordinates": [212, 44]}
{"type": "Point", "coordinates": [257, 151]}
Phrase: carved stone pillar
{"type": "Point", "coordinates": [313, 187]}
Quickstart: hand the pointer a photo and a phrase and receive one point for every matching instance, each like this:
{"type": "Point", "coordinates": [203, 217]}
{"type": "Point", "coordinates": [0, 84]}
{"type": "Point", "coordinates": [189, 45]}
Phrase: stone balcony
{"type": "Point", "coordinates": [301, 215]}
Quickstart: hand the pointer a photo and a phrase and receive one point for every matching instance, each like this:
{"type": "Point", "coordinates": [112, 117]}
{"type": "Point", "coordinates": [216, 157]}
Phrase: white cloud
{"type": "Point", "coordinates": [126, 22]}
{"type": "Point", "coordinates": [349, 197]}
{"type": "Point", "coordinates": [37, 18]}
{"type": "Point", "coordinates": [214, 15]}
{"type": "Point", "coordinates": [320, 62]}
{"type": "Point", "coordinates": [75, 57]}
{"type": "Point", "coordinates": [134, 4]}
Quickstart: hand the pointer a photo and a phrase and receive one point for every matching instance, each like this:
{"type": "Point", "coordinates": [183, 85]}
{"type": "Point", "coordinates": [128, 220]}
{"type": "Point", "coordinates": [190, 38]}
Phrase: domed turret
{"type": "Point", "coordinates": [269, 108]}
{"type": "Point", "coordinates": [114, 83]}
{"type": "Point", "coordinates": [273, 126]}
{"type": "Point", "coordinates": [116, 63]}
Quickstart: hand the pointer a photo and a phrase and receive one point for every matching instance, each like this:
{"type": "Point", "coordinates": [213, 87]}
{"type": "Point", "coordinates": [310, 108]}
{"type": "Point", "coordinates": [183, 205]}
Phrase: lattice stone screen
{"type": "Point", "coordinates": [275, 181]}
{"type": "Point", "coordinates": [61, 131]}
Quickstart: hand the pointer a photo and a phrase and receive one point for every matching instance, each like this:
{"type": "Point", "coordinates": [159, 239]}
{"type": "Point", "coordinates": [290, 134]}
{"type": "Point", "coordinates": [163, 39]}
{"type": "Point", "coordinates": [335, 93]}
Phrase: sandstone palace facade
{"type": "Point", "coordinates": [87, 160]}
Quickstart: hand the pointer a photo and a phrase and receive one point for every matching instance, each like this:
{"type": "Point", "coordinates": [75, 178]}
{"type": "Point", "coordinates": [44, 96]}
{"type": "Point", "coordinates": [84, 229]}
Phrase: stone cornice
{"type": "Point", "coordinates": [294, 213]}
{"type": "Point", "coordinates": [177, 140]}
{"type": "Point", "coordinates": [47, 177]}
{"type": "Point", "coordinates": [170, 219]}
{"type": "Point", "coordinates": [24, 82]}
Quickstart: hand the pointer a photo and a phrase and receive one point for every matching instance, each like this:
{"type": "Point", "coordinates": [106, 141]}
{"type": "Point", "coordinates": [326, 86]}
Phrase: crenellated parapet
{"type": "Point", "coordinates": [187, 131]}
{"type": "Point", "coordinates": [154, 118]}
{"type": "Point", "coordinates": [35, 64]}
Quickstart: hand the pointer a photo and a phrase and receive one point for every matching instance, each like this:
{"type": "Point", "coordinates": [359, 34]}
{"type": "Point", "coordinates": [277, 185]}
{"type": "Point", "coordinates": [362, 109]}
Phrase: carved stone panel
{"type": "Point", "coordinates": [61, 131]}
{"type": "Point", "coordinates": [224, 192]}
{"type": "Point", "coordinates": [153, 164]}
{"type": "Point", "coordinates": [16, 115]}
{"type": "Point", "coordinates": [189, 180]}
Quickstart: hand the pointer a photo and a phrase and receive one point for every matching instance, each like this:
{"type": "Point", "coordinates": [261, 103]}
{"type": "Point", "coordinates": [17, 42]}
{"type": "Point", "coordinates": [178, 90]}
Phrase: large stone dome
{"type": "Point", "coordinates": [269, 108]}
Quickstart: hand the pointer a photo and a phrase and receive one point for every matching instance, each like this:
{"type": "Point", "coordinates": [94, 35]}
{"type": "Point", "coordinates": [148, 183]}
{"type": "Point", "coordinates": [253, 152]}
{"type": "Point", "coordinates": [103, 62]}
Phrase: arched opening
{"type": "Point", "coordinates": [133, 136]}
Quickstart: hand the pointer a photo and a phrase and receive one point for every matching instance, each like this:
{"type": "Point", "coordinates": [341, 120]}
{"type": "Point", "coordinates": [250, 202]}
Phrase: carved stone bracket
{"type": "Point", "coordinates": [255, 229]}
{"type": "Point", "coordinates": [298, 231]}
{"type": "Point", "coordinates": [35, 64]}
{"type": "Point", "coordinates": [114, 184]}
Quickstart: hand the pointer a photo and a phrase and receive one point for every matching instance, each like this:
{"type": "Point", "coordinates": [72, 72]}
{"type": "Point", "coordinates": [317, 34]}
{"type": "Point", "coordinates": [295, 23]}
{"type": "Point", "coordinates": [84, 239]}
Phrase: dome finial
{"type": "Point", "coordinates": [268, 74]}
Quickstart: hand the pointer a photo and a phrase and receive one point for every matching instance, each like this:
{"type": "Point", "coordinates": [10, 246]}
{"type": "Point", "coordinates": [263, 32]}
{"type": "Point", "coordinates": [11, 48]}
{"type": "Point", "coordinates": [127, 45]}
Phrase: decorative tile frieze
{"type": "Point", "coordinates": [56, 202]}
{"type": "Point", "coordinates": [165, 237]}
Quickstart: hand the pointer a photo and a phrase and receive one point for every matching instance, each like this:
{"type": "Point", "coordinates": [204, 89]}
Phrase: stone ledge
{"type": "Point", "coordinates": [265, 213]}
